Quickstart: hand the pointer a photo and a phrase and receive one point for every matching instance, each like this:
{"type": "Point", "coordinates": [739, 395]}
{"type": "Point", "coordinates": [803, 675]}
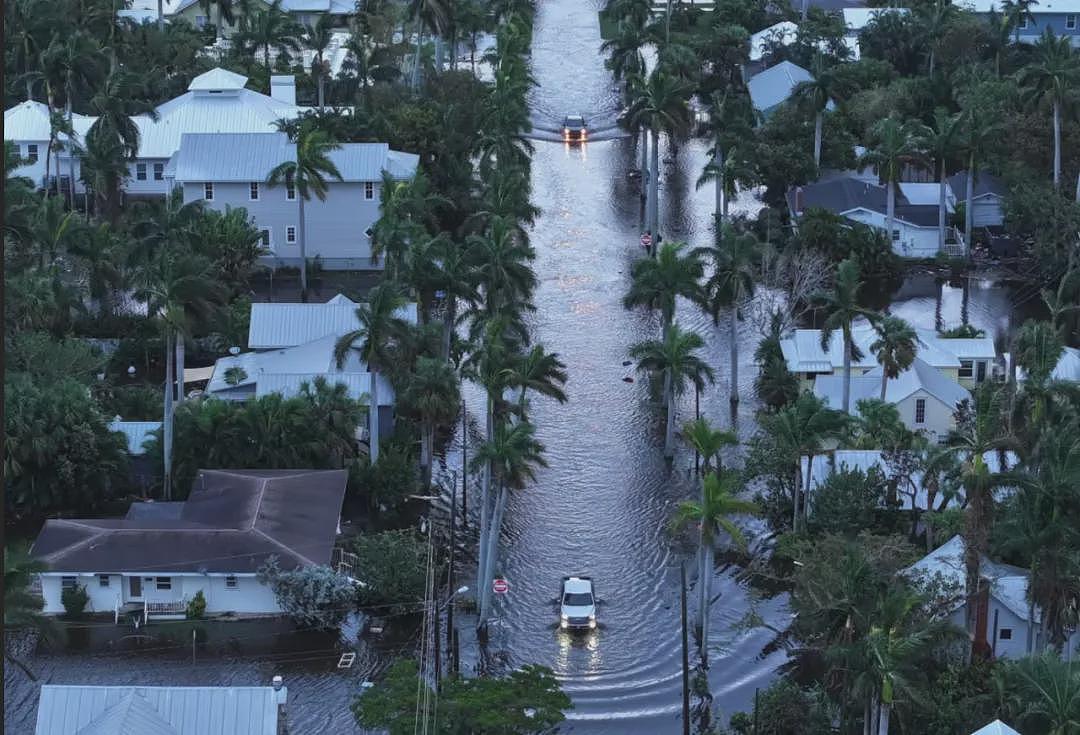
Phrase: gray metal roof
{"type": "Point", "coordinates": [232, 521]}
{"type": "Point", "coordinates": [279, 325]}
{"type": "Point", "coordinates": [137, 434]}
{"type": "Point", "coordinates": [847, 193]}
{"type": "Point", "coordinates": [155, 510]}
{"type": "Point", "coordinates": [986, 184]}
{"type": "Point", "coordinates": [123, 710]}
{"type": "Point", "coordinates": [774, 85]}
{"type": "Point", "coordinates": [251, 156]}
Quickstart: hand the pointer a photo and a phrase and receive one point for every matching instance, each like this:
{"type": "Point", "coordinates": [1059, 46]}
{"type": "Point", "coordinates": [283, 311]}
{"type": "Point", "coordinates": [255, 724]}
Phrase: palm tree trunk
{"type": "Point", "coordinates": [884, 711]}
{"type": "Point", "coordinates": [669, 432]}
{"type": "Point", "coordinates": [719, 207]}
{"type": "Point", "coordinates": [1057, 143]}
{"type": "Point", "coordinates": [654, 190]}
{"type": "Point", "coordinates": [167, 428]}
{"type": "Point", "coordinates": [734, 398]}
{"type": "Point", "coordinates": [160, 15]}
{"type": "Point", "coordinates": [890, 212]}
{"type": "Point", "coordinates": [867, 719]}
{"type": "Point", "coordinates": [415, 82]}
{"type": "Point", "coordinates": [440, 53]}
{"type": "Point", "coordinates": [71, 153]}
{"type": "Point", "coordinates": [941, 208]}
{"type": "Point", "coordinates": [179, 368]}
{"type": "Point", "coordinates": [373, 415]}
{"type": "Point", "coordinates": [969, 204]}
{"type": "Point", "coordinates": [804, 8]}
{"type": "Point", "coordinates": [884, 382]}
{"type": "Point", "coordinates": [645, 168]}
{"type": "Point", "coordinates": [485, 502]}
{"type": "Point", "coordinates": [795, 496]}
{"type": "Point", "coordinates": [818, 121]}
{"type": "Point", "coordinates": [322, 88]}
{"type": "Point", "coordinates": [303, 252]}
{"type": "Point", "coordinates": [847, 374]}
{"type": "Point", "coordinates": [1031, 627]}
{"type": "Point", "coordinates": [427, 442]}
{"type": "Point", "coordinates": [706, 598]}
{"type": "Point", "coordinates": [492, 553]}
{"type": "Point", "coordinates": [449, 321]}
{"type": "Point", "coordinates": [807, 485]}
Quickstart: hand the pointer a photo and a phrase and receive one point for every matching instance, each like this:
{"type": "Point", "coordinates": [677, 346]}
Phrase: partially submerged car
{"type": "Point", "coordinates": [577, 604]}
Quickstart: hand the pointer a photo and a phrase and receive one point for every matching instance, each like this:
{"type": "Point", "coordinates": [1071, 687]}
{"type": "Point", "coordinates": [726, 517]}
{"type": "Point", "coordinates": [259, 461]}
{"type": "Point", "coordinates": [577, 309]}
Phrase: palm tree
{"type": "Point", "coordinates": [1017, 13]}
{"type": "Point", "coordinates": [270, 28]}
{"type": "Point", "coordinates": [317, 38]}
{"type": "Point", "coordinates": [936, 19]}
{"type": "Point", "coordinates": [179, 290]}
{"type": "Point", "coordinates": [802, 429]}
{"type": "Point", "coordinates": [118, 100]}
{"type": "Point", "coordinates": [897, 144]}
{"type": "Point", "coordinates": [731, 285]}
{"type": "Point", "coordinates": [100, 253]}
{"type": "Point", "coordinates": [1038, 349]}
{"type": "Point", "coordinates": [1053, 75]}
{"type": "Point", "coordinates": [941, 142]}
{"type": "Point", "coordinates": [371, 63]}
{"type": "Point", "coordinates": [103, 168]}
{"type": "Point", "coordinates": [307, 174]}
{"type": "Point", "coordinates": [436, 15]}
{"type": "Point", "coordinates": [895, 348]}
{"type": "Point", "coordinates": [658, 283]}
{"type": "Point", "coordinates": [981, 137]}
{"type": "Point", "coordinates": [730, 119]}
{"type": "Point", "coordinates": [379, 327]}
{"type": "Point", "coordinates": [225, 13]}
{"type": "Point", "coordinates": [712, 514]}
{"type": "Point", "coordinates": [674, 357]}
{"type": "Point", "coordinates": [980, 430]}
{"type": "Point", "coordinates": [457, 280]}
{"type": "Point", "coordinates": [431, 395]}
{"type": "Point", "coordinates": [502, 266]}
{"type": "Point", "coordinates": [23, 608]}
{"type": "Point", "coordinates": [624, 52]}
{"type": "Point", "coordinates": [541, 372]}
{"type": "Point", "coordinates": [708, 442]}
{"type": "Point", "coordinates": [513, 453]}
{"type": "Point", "coordinates": [842, 306]}
{"type": "Point", "coordinates": [1048, 693]}
{"type": "Point", "coordinates": [815, 94]}
{"type": "Point", "coordinates": [658, 103]}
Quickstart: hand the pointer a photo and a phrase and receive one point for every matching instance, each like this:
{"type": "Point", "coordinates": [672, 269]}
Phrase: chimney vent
{"type": "Point", "coordinates": [283, 89]}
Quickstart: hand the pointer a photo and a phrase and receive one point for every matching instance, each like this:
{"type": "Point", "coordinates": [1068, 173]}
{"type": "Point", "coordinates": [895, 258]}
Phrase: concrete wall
{"type": "Point", "coordinates": [248, 597]}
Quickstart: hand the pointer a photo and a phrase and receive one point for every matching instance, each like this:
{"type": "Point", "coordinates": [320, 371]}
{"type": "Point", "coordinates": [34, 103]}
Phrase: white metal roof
{"type": "Point", "coordinates": [928, 194]}
{"type": "Point", "coordinates": [97, 710]}
{"type": "Point", "coordinates": [137, 433]}
{"type": "Point", "coordinates": [997, 727]}
{"type": "Point", "coordinates": [358, 385]}
{"type": "Point", "coordinates": [218, 79]}
{"type": "Point", "coordinates": [802, 349]}
{"type": "Point", "coordinates": [919, 376]}
{"type": "Point", "coordinates": [785, 32]}
{"type": "Point", "coordinates": [286, 325]}
{"type": "Point", "coordinates": [1068, 367]}
{"type": "Point", "coordinates": [29, 121]}
{"type": "Point", "coordinates": [977, 348]}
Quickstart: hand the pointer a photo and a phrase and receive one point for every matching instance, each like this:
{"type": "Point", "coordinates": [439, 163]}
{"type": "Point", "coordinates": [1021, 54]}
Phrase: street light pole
{"type": "Point", "coordinates": [453, 552]}
{"type": "Point", "coordinates": [464, 467]}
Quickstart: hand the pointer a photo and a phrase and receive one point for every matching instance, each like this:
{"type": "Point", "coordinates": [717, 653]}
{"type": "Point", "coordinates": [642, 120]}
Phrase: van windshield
{"type": "Point", "coordinates": [577, 599]}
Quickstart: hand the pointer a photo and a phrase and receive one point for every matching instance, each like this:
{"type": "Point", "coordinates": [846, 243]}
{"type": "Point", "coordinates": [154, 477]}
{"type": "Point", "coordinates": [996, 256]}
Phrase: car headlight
{"type": "Point", "coordinates": [566, 131]}
{"type": "Point", "coordinates": [592, 621]}
{"type": "Point", "coordinates": [564, 621]}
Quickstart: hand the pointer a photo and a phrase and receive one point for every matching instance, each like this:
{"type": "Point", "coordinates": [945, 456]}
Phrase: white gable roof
{"type": "Point", "coordinates": [785, 32]}
{"type": "Point", "coordinates": [919, 376]}
{"type": "Point", "coordinates": [997, 727]}
{"type": "Point", "coordinates": [802, 349]}
{"type": "Point", "coordinates": [29, 121]}
{"type": "Point", "coordinates": [858, 18]}
{"type": "Point", "coordinates": [287, 325]}
{"type": "Point", "coordinates": [218, 79]}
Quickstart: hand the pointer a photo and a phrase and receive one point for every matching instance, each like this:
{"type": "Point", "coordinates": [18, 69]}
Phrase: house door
{"type": "Point", "coordinates": [135, 587]}
{"type": "Point", "coordinates": [980, 371]}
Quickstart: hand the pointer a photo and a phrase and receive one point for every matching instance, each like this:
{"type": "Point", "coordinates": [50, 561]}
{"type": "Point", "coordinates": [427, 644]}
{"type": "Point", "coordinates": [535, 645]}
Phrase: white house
{"type": "Point", "coordinates": [294, 344]}
{"type": "Point", "coordinates": [73, 709]}
{"type": "Point", "coordinates": [987, 197]}
{"type": "Point", "coordinates": [1005, 620]}
{"type": "Point", "coordinates": [915, 214]}
{"type": "Point", "coordinates": [1060, 16]}
{"type": "Point", "coordinates": [160, 555]}
{"type": "Point", "coordinates": [27, 125]}
{"type": "Point", "coordinates": [231, 170]}
{"type": "Point", "coordinates": [966, 361]}
{"type": "Point", "coordinates": [925, 399]}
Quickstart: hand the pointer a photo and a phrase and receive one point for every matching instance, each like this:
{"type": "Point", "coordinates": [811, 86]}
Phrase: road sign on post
{"type": "Point", "coordinates": [646, 240]}
{"type": "Point", "coordinates": [500, 586]}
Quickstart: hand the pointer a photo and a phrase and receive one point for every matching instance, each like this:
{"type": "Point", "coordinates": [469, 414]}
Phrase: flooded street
{"type": "Point", "coordinates": [602, 506]}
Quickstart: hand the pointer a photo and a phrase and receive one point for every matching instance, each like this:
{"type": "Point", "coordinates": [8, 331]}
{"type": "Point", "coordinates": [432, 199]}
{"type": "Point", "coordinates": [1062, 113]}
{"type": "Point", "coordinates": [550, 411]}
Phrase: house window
{"type": "Point", "coordinates": [369, 232]}
{"type": "Point", "coordinates": [1070, 22]}
{"type": "Point", "coordinates": [369, 190]}
{"type": "Point", "coordinates": [290, 189]}
{"type": "Point", "coordinates": [164, 583]}
{"type": "Point", "coordinates": [31, 153]}
{"type": "Point", "coordinates": [103, 580]}
{"type": "Point", "coordinates": [201, 21]}
{"type": "Point", "coordinates": [253, 195]}
{"type": "Point", "coordinates": [967, 368]}
{"type": "Point", "coordinates": [208, 191]}
{"type": "Point", "coordinates": [1005, 634]}
{"type": "Point", "coordinates": [231, 582]}
{"type": "Point", "coordinates": [140, 171]}
{"type": "Point", "coordinates": [920, 410]}
{"type": "Point", "coordinates": [159, 171]}
{"type": "Point", "coordinates": [65, 184]}
{"type": "Point", "coordinates": [290, 234]}
{"type": "Point", "coordinates": [265, 236]}
{"type": "Point", "coordinates": [896, 235]}
{"type": "Point", "coordinates": [69, 583]}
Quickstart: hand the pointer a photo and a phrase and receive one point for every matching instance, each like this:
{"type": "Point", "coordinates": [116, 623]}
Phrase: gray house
{"type": "Point", "coordinates": [230, 170]}
{"type": "Point", "coordinates": [1059, 16]}
{"type": "Point", "coordinates": [987, 197]}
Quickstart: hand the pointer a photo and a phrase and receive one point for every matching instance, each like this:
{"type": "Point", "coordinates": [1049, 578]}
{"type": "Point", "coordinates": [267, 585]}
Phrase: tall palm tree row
{"type": "Point", "coordinates": [897, 143]}
{"type": "Point", "coordinates": [1053, 75]}
{"type": "Point", "coordinates": [842, 306]}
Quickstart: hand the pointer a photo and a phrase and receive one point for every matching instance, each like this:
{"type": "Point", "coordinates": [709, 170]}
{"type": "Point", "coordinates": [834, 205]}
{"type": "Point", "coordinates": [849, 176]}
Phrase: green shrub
{"type": "Point", "coordinates": [387, 483]}
{"type": "Point", "coordinates": [74, 600]}
{"type": "Point", "coordinates": [196, 607]}
{"type": "Point", "coordinates": [392, 566]}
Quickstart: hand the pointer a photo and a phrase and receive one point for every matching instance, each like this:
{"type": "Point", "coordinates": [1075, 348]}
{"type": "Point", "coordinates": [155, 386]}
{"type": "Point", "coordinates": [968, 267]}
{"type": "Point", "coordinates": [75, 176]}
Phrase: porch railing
{"type": "Point", "coordinates": [157, 608]}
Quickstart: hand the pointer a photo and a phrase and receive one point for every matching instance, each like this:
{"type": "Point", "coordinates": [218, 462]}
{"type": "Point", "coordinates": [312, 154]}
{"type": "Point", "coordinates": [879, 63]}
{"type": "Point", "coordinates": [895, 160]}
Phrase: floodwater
{"type": "Point", "coordinates": [602, 506]}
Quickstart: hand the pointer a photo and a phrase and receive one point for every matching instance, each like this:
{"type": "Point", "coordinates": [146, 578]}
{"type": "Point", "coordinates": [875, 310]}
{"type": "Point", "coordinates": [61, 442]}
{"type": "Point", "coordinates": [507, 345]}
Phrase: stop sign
{"type": "Point", "coordinates": [646, 240]}
{"type": "Point", "coordinates": [500, 586]}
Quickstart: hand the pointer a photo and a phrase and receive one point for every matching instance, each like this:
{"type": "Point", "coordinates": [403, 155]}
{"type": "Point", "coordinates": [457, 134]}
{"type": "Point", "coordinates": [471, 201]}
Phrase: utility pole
{"type": "Point", "coordinates": [453, 553]}
{"type": "Point", "coordinates": [685, 652]}
{"type": "Point", "coordinates": [697, 415]}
